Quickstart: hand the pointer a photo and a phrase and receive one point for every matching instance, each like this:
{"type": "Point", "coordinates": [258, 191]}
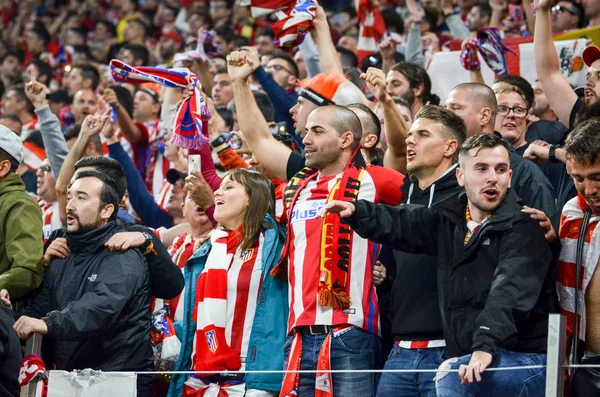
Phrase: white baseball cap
{"type": "Point", "coordinates": [11, 143]}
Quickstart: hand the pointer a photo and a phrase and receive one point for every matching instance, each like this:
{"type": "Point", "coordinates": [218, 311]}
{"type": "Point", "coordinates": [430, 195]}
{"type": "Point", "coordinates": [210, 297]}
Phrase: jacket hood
{"type": "Point", "coordinates": [11, 183]}
{"type": "Point", "coordinates": [445, 185]}
{"type": "Point", "coordinates": [92, 241]}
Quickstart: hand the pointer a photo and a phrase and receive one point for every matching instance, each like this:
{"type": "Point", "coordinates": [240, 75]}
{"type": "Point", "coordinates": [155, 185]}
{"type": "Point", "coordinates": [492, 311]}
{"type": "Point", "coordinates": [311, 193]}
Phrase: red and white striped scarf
{"type": "Point", "coordinates": [371, 28]}
{"type": "Point", "coordinates": [295, 18]}
{"type": "Point", "coordinates": [571, 223]}
{"type": "Point", "coordinates": [211, 351]}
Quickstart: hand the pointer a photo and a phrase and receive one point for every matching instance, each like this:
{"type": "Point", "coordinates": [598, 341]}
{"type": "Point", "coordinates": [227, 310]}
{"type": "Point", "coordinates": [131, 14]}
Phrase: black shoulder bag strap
{"type": "Point", "coordinates": [578, 264]}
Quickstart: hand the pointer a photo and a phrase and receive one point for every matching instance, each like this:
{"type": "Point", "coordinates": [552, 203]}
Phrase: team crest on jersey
{"type": "Point", "coordinates": [211, 341]}
{"type": "Point", "coordinates": [247, 255]}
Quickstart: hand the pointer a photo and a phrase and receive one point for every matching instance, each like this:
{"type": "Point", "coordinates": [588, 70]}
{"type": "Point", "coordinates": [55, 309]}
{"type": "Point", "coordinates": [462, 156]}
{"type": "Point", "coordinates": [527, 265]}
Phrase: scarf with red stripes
{"type": "Point", "coordinates": [190, 128]}
{"type": "Point", "coordinates": [371, 28]}
{"type": "Point", "coordinates": [336, 237]}
{"type": "Point", "coordinates": [571, 223]}
{"type": "Point", "coordinates": [212, 353]}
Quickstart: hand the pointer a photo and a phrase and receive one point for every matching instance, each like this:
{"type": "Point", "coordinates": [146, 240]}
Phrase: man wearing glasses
{"type": "Point", "coordinates": [476, 104]}
{"type": "Point", "coordinates": [46, 189]}
{"type": "Point", "coordinates": [511, 117]}
{"type": "Point", "coordinates": [567, 15]}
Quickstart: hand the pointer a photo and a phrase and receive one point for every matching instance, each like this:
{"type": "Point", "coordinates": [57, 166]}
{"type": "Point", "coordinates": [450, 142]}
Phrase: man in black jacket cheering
{"type": "Point", "coordinates": [96, 302]}
{"type": "Point", "coordinates": [494, 271]}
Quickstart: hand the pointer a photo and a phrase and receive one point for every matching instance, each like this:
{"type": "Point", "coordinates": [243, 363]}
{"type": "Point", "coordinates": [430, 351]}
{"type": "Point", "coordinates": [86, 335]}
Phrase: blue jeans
{"type": "Point", "coordinates": [354, 349]}
{"type": "Point", "coordinates": [520, 383]}
{"type": "Point", "coordinates": [411, 384]}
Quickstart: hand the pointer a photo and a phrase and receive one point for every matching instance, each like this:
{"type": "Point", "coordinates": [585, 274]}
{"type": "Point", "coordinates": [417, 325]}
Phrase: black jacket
{"type": "Point", "coordinates": [166, 279]}
{"type": "Point", "coordinates": [494, 292]}
{"type": "Point", "coordinates": [414, 278]}
{"type": "Point", "coordinates": [96, 303]}
{"type": "Point", "coordinates": [10, 355]}
{"type": "Point", "coordinates": [531, 185]}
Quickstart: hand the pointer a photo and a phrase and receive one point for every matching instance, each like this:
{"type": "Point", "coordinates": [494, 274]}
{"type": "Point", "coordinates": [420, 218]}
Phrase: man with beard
{"type": "Point", "coordinates": [95, 302]}
{"type": "Point", "coordinates": [476, 104]}
{"type": "Point", "coordinates": [169, 44]}
{"type": "Point", "coordinates": [495, 291]}
{"type": "Point", "coordinates": [566, 104]}
{"type": "Point", "coordinates": [46, 190]}
{"type": "Point", "coordinates": [411, 82]}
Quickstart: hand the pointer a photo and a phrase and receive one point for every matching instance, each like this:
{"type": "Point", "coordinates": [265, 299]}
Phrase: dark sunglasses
{"type": "Point", "coordinates": [44, 168]}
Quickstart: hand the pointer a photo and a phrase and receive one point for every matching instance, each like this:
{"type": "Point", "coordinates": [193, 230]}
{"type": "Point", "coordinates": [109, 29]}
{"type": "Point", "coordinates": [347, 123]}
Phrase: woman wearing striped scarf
{"type": "Point", "coordinates": [235, 311]}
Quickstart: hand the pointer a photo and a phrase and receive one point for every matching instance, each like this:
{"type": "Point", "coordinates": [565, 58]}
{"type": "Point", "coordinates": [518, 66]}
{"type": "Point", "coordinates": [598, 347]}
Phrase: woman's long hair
{"type": "Point", "coordinates": [261, 192]}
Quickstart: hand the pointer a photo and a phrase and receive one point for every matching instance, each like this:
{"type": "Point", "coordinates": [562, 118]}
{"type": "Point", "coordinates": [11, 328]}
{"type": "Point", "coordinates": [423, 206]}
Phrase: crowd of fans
{"type": "Point", "coordinates": [327, 211]}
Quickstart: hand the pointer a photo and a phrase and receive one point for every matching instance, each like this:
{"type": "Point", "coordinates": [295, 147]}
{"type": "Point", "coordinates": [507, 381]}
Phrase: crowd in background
{"type": "Point", "coordinates": [216, 186]}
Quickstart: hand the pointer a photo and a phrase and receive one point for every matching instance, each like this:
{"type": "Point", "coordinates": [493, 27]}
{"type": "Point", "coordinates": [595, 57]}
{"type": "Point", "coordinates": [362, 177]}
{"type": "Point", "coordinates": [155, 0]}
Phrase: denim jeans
{"type": "Point", "coordinates": [519, 383]}
{"type": "Point", "coordinates": [410, 384]}
{"type": "Point", "coordinates": [353, 349]}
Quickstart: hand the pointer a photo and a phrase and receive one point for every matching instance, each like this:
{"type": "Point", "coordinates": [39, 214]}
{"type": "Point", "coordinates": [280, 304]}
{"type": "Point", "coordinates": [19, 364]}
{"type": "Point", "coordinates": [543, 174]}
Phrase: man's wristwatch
{"type": "Point", "coordinates": [148, 244]}
{"type": "Point", "coordinates": [552, 153]}
{"type": "Point", "coordinates": [218, 141]}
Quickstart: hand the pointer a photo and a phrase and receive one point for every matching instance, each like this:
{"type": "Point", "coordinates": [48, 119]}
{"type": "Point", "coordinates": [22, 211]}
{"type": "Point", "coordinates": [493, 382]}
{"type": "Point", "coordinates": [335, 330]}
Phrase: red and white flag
{"type": "Point", "coordinates": [371, 28]}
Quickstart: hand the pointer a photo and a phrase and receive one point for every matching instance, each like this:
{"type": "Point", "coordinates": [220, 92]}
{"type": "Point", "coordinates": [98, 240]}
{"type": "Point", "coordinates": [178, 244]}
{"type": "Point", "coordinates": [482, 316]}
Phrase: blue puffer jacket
{"type": "Point", "coordinates": [265, 349]}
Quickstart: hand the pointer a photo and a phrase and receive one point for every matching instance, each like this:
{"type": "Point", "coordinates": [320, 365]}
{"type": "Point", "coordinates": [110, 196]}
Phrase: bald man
{"type": "Point", "coordinates": [476, 104]}
{"type": "Point", "coordinates": [329, 266]}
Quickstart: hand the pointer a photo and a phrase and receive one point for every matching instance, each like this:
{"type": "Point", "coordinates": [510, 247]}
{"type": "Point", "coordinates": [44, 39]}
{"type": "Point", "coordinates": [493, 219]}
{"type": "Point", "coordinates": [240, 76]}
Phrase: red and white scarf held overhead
{"type": "Point", "coordinates": [570, 224]}
{"type": "Point", "coordinates": [190, 129]}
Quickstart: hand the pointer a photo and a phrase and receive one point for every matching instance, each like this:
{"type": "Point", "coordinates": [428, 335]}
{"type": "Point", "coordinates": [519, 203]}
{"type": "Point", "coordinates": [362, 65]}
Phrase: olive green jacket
{"type": "Point", "coordinates": [21, 239]}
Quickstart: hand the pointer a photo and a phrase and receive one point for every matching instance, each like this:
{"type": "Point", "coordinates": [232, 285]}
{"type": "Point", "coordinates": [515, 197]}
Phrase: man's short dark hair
{"type": "Point", "coordinates": [221, 71]}
{"type": "Point", "coordinates": [481, 141]}
{"type": "Point", "coordinates": [85, 50]}
{"type": "Point", "coordinates": [289, 60]}
{"type": "Point", "coordinates": [520, 83]}
{"type": "Point", "coordinates": [89, 72]}
{"type": "Point", "coordinates": [226, 33]}
{"type": "Point", "coordinates": [347, 57]}
{"type": "Point", "coordinates": [226, 114]}
{"type": "Point", "coordinates": [44, 70]}
{"type": "Point", "coordinates": [14, 164]}
{"type": "Point", "coordinates": [453, 127]}
{"type": "Point", "coordinates": [42, 33]}
{"type": "Point", "coordinates": [139, 52]}
{"type": "Point", "coordinates": [392, 19]}
{"type": "Point", "coordinates": [21, 96]}
{"type": "Point", "coordinates": [373, 119]}
{"type": "Point", "coordinates": [264, 104]}
{"type": "Point", "coordinates": [417, 75]}
{"type": "Point", "coordinates": [108, 166]}
{"type": "Point", "coordinates": [9, 54]}
{"type": "Point", "coordinates": [141, 24]}
{"type": "Point", "coordinates": [110, 28]}
{"type": "Point", "coordinates": [109, 193]}
{"type": "Point", "coordinates": [583, 143]}
{"type": "Point", "coordinates": [266, 31]}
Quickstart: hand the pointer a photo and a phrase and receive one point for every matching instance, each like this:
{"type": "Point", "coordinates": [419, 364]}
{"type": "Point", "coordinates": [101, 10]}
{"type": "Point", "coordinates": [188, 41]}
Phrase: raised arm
{"type": "Point", "coordinates": [90, 127]}
{"type": "Point", "coordinates": [561, 96]}
{"type": "Point", "coordinates": [272, 154]}
{"type": "Point", "coordinates": [54, 140]}
{"type": "Point", "coordinates": [394, 126]}
{"type": "Point", "coordinates": [405, 228]}
{"type": "Point", "coordinates": [328, 56]}
{"type": "Point", "coordinates": [130, 130]}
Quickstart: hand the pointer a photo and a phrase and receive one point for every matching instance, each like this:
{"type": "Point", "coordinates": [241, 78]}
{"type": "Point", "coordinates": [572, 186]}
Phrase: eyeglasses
{"type": "Point", "coordinates": [278, 68]}
{"type": "Point", "coordinates": [44, 168]}
{"type": "Point", "coordinates": [559, 10]}
{"type": "Point", "coordinates": [518, 111]}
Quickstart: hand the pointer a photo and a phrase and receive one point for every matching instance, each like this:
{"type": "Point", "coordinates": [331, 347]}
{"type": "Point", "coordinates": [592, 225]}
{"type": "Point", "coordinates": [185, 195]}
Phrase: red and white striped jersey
{"type": "Point", "coordinates": [421, 344]}
{"type": "Point", "coordinates": [244, 279]}
{"type": "Point", "coordinates": [181, 250]}
{"type": "Point", "coordinates": [29, 127]}
{"type": "Point", "coordinates": [50, 217]}
{"type": "Point", "coordinates": [378, 185]}
{"type": "Point", "coordinates": [164, 194]}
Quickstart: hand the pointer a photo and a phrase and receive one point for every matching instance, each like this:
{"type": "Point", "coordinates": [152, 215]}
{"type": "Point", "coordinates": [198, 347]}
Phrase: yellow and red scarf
{"type": "Point", "coordinates": [336, 237]}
